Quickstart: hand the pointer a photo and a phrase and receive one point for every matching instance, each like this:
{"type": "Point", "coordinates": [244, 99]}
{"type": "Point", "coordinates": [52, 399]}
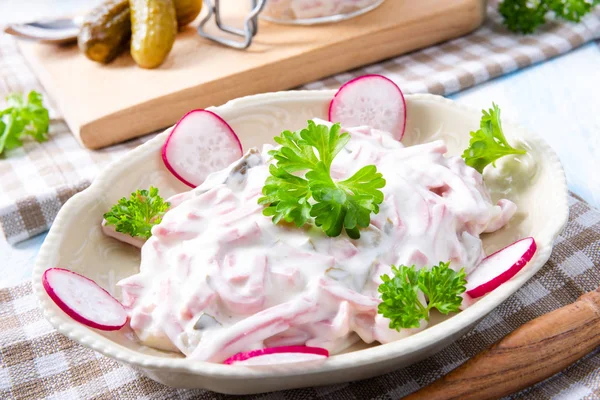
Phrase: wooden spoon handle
{"type": "Point", "coordinates": [530, 354]}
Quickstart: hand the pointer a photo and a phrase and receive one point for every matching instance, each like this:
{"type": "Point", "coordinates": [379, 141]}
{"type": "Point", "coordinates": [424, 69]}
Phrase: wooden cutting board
{"type": "Point", "coordinates": [107, 104]}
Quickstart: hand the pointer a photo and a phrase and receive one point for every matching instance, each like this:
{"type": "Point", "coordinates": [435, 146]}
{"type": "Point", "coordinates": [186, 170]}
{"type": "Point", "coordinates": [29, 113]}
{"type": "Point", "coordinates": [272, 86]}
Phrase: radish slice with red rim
{"type": "Point", "coordinates": [278, 355]}
{"type": "Point", "coordinates": [83, 300]}
{"type": "Point", "coordinates": [200, 143]}
{"type": "Point", "coordinates": [371, 100]}
{"type": "Point", "coordinates": [499, 267]}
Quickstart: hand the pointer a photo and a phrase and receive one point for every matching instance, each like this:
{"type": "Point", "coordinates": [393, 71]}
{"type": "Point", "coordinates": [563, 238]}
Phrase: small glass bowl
{"type": "Point", "coordinates": [311, 12]}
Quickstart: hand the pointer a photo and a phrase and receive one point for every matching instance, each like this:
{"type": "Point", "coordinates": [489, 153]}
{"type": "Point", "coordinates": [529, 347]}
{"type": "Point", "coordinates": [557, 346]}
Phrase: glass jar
{"type": "Point", "coordinates": [309, 12]}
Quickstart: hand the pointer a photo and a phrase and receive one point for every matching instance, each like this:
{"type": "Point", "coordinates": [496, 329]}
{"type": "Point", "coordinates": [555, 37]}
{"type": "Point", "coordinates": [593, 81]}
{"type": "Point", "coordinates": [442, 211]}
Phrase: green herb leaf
{"type": "Point", "coordinates": [335, 206]}
{"type": "Point", "coordinates": [443, 287]}
{"type": "Point", "coordinates": [572, 10]}
{"type": "Point", "coordinates": [488, 143]}
{"type": "Point", "coordinates": [21, 118]}
{"type": "Point", "coordinates": [286, 197]}
{"type": "Point", "coordinates": [399, 294]}
{"type": "Point", "coordinates": [525, 16]}
{"type": "Point", "coordinates": [400, 302]}
{"type": "Point", "coordinates": [137, 215]}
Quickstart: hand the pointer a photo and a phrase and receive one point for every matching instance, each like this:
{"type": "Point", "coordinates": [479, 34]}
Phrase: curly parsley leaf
{"type": "Point", "coordinates": [137, 215]}
{"type": "Point", "coordinates": [400, 293]}
{"type": "Point", "coordinates": [525, 16]}
{"type": "Point", "coordinates": [334, 206]}
{"type": "Point", "coordinates": [488, 143]}
{"type": "Point", "coordinates": [443, 287]}
{"type": "Point", "coordinates": [400, 302]}
{"type": "Point", "coordinates": [23, 117]}
{"type": "Point", "coordinates": [572, 10]}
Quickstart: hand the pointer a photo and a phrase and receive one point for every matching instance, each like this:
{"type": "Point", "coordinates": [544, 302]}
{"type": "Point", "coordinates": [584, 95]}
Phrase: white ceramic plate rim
{"type": "Point", "coordinates": [434, 334]}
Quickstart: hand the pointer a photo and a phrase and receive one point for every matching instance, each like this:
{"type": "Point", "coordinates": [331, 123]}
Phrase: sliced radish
{"type": "Point", "coordinates": [110, 231]}
{"type": "Point", "coordinates": [278, 355]}
{"type": "Point", "coordinates": [200, 143]}
{"type": "Point", "coordinates": [499, 267]}
{"type": "Point", "coordinates": [83, 300]}
{"type": "Point", "coordinates": [371, 100]}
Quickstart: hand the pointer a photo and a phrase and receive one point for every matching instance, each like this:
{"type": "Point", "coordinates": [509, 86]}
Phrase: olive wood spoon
{"type": "Point", "coordinates": [533, 352]}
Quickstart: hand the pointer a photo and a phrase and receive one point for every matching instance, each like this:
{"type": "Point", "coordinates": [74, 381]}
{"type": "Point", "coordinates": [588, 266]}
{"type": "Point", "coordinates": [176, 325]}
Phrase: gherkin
{"type": "Point", "coordinates": [154, 27]}
{"type": "Point", "coordinates": [106, 31]}
{"type": "Point", "coordinates": [187, 11]}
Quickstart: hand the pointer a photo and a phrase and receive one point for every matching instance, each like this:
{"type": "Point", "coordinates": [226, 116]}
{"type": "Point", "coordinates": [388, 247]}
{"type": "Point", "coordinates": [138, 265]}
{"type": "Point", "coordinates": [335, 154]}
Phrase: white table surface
{"type": "Point", "coordinates": [558, 99]}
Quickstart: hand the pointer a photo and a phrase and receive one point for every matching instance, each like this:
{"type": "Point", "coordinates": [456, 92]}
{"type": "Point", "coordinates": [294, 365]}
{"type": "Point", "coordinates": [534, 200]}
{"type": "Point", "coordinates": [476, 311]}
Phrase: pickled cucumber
{"type": "Point", "coordinates": [105, 31]}
{"type": "Point", "coordinates": [153, 27]}
{"type": "Point", "coordinates": [187, 11]}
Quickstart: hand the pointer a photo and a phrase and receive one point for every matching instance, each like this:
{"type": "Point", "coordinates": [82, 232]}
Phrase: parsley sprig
{"type": "Point", "coordinates": [334, 205]}
{"type": "Point", "coordinates": [23, 117]}
{"type": "Point", "coordinates": [488, 143]}
{"type": "Point", "coordinates": [137, 215]}
{"type": "Point", "coordinates": [399, 294]}
{"type": "Point", "coordinates": [525, 16]}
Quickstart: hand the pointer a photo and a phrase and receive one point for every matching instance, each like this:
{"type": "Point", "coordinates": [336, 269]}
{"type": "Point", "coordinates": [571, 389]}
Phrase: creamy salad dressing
{"type": "Point", "coordinates": [217, 277]}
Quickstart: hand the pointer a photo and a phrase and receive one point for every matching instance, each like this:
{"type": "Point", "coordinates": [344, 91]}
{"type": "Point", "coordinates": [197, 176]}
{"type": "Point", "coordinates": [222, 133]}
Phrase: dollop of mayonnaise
{"type": "Point", "coordinates": [218, 277]}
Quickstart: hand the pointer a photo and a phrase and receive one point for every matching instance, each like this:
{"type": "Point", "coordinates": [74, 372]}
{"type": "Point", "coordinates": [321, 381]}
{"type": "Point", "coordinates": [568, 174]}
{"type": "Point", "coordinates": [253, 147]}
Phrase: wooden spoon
{"type": "Point", "coordinates": [535, 351]}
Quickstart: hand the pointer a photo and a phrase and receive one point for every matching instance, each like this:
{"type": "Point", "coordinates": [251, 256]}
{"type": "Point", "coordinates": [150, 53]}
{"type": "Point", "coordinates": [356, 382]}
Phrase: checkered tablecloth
{"type": "Point", "coordinates": [37, 362]}
{"type": "Point", "coordinates": [38, 178]}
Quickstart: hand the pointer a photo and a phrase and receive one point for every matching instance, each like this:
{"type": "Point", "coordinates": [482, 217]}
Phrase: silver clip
{"type": "Point", "coordinates": [250, 25]}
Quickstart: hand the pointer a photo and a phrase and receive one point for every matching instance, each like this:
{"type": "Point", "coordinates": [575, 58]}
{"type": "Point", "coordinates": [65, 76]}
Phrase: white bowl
{"type": "Point", "coordinates": [75, 241]}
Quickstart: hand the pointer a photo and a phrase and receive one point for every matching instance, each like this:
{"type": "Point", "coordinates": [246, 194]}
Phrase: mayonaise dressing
{"type": "Point", "coordinates": [218, 277]}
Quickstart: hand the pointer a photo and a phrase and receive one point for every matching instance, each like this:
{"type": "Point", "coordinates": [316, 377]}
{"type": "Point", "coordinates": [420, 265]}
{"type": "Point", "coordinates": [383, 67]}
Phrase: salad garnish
{"type": "Point", "coordinates": [89, 304]}
{"type": "Point", "coordinates": [399, 294]}
{"type": "Point", "coordinates": [23, 117]}
{"type": "Point", "coordinates": [526, 16]}
{"type": "Point", "coordinates": [334, 205]}
{"type": "Point", "coordinates": [137, 215]}
{"type": "Point", "coordinates": [488, 143]}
